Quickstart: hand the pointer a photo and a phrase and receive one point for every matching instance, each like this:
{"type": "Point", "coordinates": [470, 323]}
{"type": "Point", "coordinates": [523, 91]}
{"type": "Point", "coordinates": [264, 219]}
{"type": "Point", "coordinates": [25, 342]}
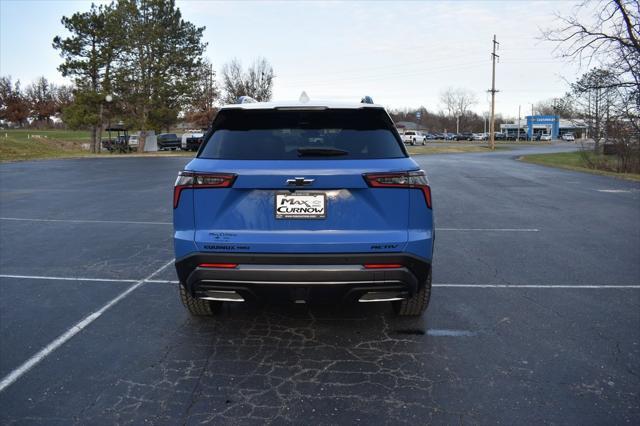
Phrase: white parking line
{"type": "Point", "coordinates": [63, 338]}
{"type": "Point", "coordinates": [150, 280]}
{"type": "Point", "coordinates": [40, 277]}
{"type": "Point", "coordinates": [126, 222]}
{"type": "Point", "coordinates": [490, 229]}
{"type": "Point", "coordinates": [135, 222]}
{"type": "Point", "coordinates": [443, 332]}
{"type": "Point", "coordinates": [572, 286]}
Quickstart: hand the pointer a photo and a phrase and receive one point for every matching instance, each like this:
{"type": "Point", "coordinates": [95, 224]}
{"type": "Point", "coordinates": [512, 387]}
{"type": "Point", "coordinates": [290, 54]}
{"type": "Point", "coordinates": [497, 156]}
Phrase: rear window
{"type": "Point", "coordinates": [302, 134]}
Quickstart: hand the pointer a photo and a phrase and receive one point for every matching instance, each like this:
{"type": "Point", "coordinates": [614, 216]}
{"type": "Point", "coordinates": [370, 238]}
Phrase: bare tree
{"type": "Point", "coordinates": [256, 81]}
{"type": "Point", "coordinates": [605, 33]}
{"type": "Point", "coordinates": [556, 106]}
{"type": "Point", "coordinates": [457, 102]}
{"type": "Point", "coordinates": [612, 34]}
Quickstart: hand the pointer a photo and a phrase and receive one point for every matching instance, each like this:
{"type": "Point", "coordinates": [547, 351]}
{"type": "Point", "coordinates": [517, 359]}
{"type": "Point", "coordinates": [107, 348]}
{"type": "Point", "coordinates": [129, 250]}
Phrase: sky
{"type": "Point", "coordinates": [402, 54]}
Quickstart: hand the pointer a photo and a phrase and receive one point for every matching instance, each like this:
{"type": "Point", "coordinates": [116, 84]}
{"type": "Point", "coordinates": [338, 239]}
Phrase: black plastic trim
{"type": "Point", "coordinates": [252, 281]}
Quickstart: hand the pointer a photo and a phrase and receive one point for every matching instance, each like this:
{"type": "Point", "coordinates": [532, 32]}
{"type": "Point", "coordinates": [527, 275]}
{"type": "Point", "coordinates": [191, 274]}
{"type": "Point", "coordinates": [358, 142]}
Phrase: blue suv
{"type": "Point", "coordinates": [304, 201]}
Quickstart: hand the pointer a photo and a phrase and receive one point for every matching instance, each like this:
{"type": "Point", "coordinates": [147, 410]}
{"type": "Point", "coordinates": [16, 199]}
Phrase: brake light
{"type": "Point", "coordinates": [415, 179]}
{"type": "Point", "coordinates": [382, 265]}
{"type": "Point", "coordinates": [219, 265]}
{"type": "Point", "coordinates": [195, 180]}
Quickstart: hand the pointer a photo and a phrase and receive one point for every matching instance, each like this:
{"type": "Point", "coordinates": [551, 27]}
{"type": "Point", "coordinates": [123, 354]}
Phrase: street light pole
{"type": "Point", "coordinates": [107, 99]}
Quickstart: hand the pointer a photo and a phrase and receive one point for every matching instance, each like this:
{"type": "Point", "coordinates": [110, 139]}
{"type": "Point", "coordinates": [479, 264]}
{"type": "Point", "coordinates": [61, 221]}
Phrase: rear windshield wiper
{"type": "Point", "coordinates": [328, 152]}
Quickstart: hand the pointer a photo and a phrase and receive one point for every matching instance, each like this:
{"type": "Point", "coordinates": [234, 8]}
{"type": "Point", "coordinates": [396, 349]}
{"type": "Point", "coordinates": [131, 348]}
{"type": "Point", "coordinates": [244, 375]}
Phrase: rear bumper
{"type": "Point", "coordinates": [327, 277]}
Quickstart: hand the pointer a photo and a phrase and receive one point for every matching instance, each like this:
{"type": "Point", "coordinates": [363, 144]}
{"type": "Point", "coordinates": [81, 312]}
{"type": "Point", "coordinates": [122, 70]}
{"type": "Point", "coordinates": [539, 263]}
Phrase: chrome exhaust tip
{"type": "Point", "coordinates": [382, 296]}
{"type": "Point", "coordinates": [222, 296]}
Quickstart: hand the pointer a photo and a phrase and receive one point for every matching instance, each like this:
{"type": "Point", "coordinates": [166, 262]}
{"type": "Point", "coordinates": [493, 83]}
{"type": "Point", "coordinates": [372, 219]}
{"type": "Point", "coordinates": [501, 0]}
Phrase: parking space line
{"type": "Point", "coordinates": [142, 222]}
{"type": "Point", "coordinates": [489, 229]}
{"type": "Point", "coordinates": [40, 277]}
{"type": "Point", "coordinates": [63, 338]}
{"type": "Point", "coordinates": [151, 280]}
{"type": "Point", "coordinates": [125, 222]}
{"type": "Point", "coordinates": [539, 285]}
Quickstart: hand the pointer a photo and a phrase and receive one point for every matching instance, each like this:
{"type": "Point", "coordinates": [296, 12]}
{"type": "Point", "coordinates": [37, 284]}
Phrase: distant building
{"type": "Point", "coordinates": [534, 125]}
{"type": "Point", "coordinates": [406, 125]}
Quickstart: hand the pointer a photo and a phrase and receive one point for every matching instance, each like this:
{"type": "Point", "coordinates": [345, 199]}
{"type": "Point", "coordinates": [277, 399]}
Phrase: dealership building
{"type": "Point", "coordinates": [534, 125]}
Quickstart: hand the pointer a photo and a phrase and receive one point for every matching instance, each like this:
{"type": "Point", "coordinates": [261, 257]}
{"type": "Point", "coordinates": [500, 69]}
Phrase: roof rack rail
{"type": "Point", "coordinates": [246, 100]}
{"type": "Point", "coordinates": [366, 100]}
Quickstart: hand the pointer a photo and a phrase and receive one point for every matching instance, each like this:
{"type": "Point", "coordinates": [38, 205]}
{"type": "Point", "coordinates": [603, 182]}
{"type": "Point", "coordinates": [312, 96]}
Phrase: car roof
{"type": "Point", "coordinates": [301, 105]}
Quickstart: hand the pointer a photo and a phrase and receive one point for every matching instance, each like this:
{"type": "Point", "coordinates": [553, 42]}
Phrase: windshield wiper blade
{"type": "Point", "coordinates": [328, 152]}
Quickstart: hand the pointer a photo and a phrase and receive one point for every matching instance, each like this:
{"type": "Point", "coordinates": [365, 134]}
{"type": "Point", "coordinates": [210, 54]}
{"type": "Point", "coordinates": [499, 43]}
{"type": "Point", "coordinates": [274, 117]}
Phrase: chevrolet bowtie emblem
{"type": "Point", "coordinates": [299, 181]}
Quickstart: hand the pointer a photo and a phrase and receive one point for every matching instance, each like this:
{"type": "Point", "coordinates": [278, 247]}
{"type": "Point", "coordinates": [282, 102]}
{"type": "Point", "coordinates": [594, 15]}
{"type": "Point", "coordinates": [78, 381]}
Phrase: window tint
{"type": "Point", "coordinates": [302, 134]}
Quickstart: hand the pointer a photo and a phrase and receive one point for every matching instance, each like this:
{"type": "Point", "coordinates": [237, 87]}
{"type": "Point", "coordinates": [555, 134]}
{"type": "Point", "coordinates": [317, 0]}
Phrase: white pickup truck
{"type": "Point", "coordinates": [413, 137]}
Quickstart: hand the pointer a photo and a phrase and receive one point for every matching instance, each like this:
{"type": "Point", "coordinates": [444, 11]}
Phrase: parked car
{"type": "Point", "coordinates": [545, 137]}
{"type": "Point", "coordinates": [413, 137]}
{"type": "Point", "coordinates": [134, 142]}
{"type": "Point", "coordinates": [479, 137]}
{"type": "Point", "coordinates": [439, 136]}
{"type": "Point", "coordinates": [168, 141]}
{"type": "Point", "coordinates": [500, 136]}
{"type": "Point", "coordinates": [191, 141]}
{"type": "Point", "coordinates": [568, 137]}
{"type": "Point", "coordinates": [321, 203]}
{"type": "Point", "coordinates": [449, 136]}
{"type": "Point", "coordinates": [431, 136]}
{"type": "Point", "coordinates": [464, 136]}
{"type": "Point", "coordinates": [515, 136]}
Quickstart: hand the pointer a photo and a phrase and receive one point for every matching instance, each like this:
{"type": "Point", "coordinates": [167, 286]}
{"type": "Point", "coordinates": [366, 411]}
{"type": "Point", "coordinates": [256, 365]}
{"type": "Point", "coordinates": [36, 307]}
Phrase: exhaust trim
{"type": "Point", "coordinates": [382, 296]}
{"type": "Point", "coordinates": [222, 296]}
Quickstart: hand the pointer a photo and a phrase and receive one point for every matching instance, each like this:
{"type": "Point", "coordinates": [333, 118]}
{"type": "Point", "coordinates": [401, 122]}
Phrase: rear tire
{"type": "Point", "coordinates": [198, 307]}
{"type": "Point", "coordinates": [417, 304]}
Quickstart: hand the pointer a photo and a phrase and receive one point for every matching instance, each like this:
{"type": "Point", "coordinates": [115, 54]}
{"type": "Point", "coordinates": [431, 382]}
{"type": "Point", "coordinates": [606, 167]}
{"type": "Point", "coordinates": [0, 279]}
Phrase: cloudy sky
{"type": "Point", "coordinates": [403, 54]}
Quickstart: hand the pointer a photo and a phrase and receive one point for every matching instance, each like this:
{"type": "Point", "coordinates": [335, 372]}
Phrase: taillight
{"type": "Point", "coordinates": [219, 265]}
{"type": "Point", "coordinates": [415, 179]}
{"type": "Point", "coordinates": [382, 265]}
{"type": "Point", "coordinates": [196, 180]}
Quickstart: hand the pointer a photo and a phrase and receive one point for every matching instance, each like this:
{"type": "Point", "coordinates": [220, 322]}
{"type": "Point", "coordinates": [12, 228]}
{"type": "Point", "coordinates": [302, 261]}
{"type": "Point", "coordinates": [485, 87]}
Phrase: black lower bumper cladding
{"type": "Point", "coordinates": [301, 276]}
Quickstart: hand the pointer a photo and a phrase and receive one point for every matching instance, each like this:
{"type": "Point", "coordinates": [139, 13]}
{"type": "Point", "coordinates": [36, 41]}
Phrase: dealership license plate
{"type": "Point", "coordinates": [301, 205]}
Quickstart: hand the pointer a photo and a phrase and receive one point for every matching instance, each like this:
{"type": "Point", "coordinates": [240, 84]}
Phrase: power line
{"type": "Point", "coordinates": [421, 72]}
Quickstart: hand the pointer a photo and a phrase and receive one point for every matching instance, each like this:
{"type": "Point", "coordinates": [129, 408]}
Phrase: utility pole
{"type": "Point", "coordinates": [532, 122]}
{"type": "Point", "coordinates": [492, 124]}
{"type": "Point", "coordinates": [518, 135]}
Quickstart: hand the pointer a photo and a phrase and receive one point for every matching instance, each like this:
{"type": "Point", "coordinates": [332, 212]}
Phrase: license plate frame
{"type": "Point", "coordinates": [310, 201]}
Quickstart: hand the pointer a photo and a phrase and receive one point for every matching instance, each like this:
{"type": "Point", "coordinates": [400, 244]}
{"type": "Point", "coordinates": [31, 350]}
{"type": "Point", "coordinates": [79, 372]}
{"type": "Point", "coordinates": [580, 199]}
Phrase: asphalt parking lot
{"type": "Point", "coordinates": [534, 318]}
